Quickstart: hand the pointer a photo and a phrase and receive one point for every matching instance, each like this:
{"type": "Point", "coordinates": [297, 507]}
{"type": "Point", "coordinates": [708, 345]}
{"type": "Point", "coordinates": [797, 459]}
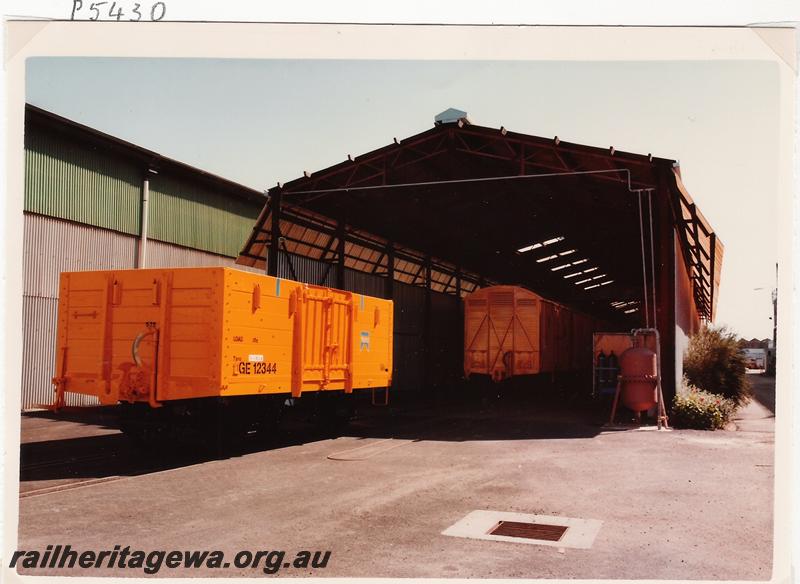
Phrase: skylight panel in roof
{"type": "Point", "coordinates": [540, 244]}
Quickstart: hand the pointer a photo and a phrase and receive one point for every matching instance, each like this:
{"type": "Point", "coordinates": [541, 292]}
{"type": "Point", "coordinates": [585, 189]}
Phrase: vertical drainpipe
{"type": "Point", "coordinates": [141, 256]}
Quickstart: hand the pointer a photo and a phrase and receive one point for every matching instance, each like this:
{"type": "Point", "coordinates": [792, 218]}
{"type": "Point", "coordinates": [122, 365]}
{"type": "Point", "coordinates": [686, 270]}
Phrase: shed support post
{"type": "Point", "coordinates": [664, 234]}
{"type": "Point", "coordinates": [458, 282]}
{"type": "Point", "coordinates": [275, 229]}
{"type": "Point", "coordinates": [340, 241]}
{"type": "Point", "coordinates": [427, 323]}
{"type": "Point", "coordinates": [712, 252]}
{"type": "Point", "coordinates": [389, 290]}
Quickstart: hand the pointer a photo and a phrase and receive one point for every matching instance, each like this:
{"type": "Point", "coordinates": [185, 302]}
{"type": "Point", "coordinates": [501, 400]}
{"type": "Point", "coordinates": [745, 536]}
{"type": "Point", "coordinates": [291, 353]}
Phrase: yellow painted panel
{"type": "Point", "coordinates": [202, 332]}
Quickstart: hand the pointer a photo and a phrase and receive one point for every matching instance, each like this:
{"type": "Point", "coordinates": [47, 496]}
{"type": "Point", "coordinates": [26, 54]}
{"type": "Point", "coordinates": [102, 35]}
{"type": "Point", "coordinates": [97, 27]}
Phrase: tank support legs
{"type": "Point", "coordinates": [614, 405]}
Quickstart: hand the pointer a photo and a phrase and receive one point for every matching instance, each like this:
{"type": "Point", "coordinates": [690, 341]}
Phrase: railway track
{"type": "Point", "coordinates": [118, 471]}
{"type": "Point", "coordinates": [63, 469]}
{"type": "Point", "coordinates": [67, 487]}
{"type": "Point", "coordinates": [34, 466]}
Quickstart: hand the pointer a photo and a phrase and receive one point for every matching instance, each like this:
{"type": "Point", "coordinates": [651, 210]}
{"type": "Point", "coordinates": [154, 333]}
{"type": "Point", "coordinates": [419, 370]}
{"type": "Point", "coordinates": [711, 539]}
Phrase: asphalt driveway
{"type": "Point", "coordinates": [679, 504]}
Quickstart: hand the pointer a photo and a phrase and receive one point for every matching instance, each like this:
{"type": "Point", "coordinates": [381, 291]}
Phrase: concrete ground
{"type": "Point", "coordinates": [678, 504]}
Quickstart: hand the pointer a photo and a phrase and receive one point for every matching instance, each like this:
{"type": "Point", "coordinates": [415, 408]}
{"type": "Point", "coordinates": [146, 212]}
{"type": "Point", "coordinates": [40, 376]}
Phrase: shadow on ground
{"type": "Point", "coordinates": [455, 416]}
{"type": "Point", "coordinates": [763, 390]}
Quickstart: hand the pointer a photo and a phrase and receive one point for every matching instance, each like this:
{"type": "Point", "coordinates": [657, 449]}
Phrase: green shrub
{"type": "Point", "coordinates": [701, 410]}
{"type": "Point", "coordinates": [715, 362]}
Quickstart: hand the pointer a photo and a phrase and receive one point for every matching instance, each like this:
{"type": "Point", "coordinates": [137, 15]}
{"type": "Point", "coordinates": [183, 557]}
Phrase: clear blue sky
{"type": "Point", "coordinates": [258, 122]}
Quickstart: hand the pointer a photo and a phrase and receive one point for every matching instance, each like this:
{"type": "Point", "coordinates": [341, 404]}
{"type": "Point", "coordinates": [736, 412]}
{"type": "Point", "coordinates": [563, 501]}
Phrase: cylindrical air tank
{"type": "Point", "coordinates": [639, 371]}
{"type": "Point", "coordinates": [602, 363]}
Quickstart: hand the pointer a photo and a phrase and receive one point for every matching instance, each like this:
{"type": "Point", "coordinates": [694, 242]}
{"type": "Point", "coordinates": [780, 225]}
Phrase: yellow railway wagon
{"type": "Point", "coordinates": [157, 336]}
{"type": "Point", "coordinates": [510, 331]}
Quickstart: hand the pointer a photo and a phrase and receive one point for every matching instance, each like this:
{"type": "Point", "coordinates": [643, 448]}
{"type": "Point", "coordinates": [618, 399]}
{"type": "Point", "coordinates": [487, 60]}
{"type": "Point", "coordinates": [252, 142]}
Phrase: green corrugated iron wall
{"type": "Point", "coordinates": [197, 217]}
{"type": "Point", "coordinates": [70, 180]}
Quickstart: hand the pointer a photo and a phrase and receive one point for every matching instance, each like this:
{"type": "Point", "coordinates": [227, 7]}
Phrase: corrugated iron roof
{"type": "Point", "coordinates": [37, 115]}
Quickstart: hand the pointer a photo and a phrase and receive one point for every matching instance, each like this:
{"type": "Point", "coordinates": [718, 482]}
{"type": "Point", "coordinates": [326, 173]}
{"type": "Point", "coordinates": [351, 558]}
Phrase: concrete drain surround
{"type": "Point", "coordinates": [549, 530]}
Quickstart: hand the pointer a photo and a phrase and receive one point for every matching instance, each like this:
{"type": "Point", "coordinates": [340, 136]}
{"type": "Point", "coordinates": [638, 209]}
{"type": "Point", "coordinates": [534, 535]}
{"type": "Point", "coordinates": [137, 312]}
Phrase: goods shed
{"type": "Point", "coordinates": [427, 219]}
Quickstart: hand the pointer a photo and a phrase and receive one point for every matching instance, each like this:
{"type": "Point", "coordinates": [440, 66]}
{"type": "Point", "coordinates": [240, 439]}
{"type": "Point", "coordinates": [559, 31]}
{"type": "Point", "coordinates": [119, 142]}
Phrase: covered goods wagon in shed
{"type": "Point", "coordinates": [511, 331]}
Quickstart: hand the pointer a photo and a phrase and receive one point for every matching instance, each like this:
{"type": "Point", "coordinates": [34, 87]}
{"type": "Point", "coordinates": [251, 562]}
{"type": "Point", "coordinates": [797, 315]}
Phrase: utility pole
{"type": "Point", "coordinates": [773, 360]}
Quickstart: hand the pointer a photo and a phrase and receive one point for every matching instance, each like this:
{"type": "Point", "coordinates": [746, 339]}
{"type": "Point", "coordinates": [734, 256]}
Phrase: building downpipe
{"type": "Point", "coordinates": [141, 253]}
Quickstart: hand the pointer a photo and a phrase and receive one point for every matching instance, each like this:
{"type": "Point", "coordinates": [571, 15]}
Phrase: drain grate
{"type": "Point", "coordinates": [529, 530]}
